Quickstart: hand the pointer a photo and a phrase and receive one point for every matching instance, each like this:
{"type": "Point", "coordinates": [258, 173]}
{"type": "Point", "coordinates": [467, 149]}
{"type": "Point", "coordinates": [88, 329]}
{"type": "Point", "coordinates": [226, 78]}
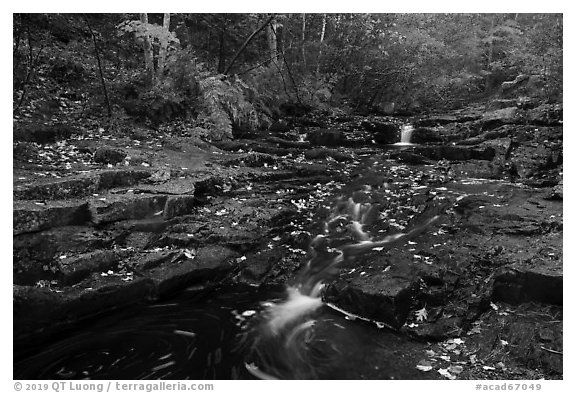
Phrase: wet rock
{"type": "Point", "coordinates": [255, 268]}
{"type": "Point", "coordinates": [121, 177]}
{"type": "Point", "coordinates": [384, 133]}
{"type": "Point", "coordinates": [519, 284]}
{"type": "Point", "coordinates": [440, 330]}
{"type": "Point", "coordinates": [326, 137]}
{"type": "Point", "coordinates": [209, 263]}
{"type": "Point", "coordinates": [323, 153]}
{"type": "Point", "coordinates": [436, 121]}
{"type": "Point", "coordinates": [455, 153]}
{"type": "Point", "coordinates": [501, 104]}
{"type": "Point", "coordinates": [410, 158]}
{"type": "Point", "coordinates": [546, 115]}
{"type": "Point", "coordinates": [32, 250]}
{"type": "Point", "coordinates": [178, 205]}
{"type": "Point", "coordinates": [425, 135]}
{"type": "Point", "coordinates": [72, 187]}
{"type": "Point", "coordinates": [43, 310]}
{"type": "Point", "coordinates": [31, 216]}
{"type": "Point", "coordinates": [379, 297]}
{"type": "Point", "coordinates": [288, 143]}
{"type": "Point", "coordinates": [109, 155]}
{"type": "Point", "coordinates": [126, 207]}
{"type": "Point", "coordinates": [186, 186]}
{"type": "Point", "coordinates": [252, 160]}
{"type": "Point", "coordinates": [76, 268]}
{"type": "Point", "coordinates": [499, 117]}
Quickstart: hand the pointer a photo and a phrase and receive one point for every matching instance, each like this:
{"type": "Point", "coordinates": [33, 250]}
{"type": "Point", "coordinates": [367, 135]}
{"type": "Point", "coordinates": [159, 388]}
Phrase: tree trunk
{"type": "Point", "coordinates": [273, 39]}
{"type": "Point", "coordinates": [221, 50]}
{"type": "Point", "coordinates": [245, 44]}
{"type": "Point", "coordinates": [163, 46]}
{"type": "Point", "coordinates": [321, 43]}
{"type": "Point", "coordinates": [102, 81]}
{"type": "Point", "coordinates": [148, 55]}
{"type": "Point", "coordinates": [303, 39]}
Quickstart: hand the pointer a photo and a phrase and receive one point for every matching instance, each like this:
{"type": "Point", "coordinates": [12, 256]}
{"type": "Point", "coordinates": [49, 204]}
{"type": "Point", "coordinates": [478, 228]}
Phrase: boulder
{"type": "Point", "coordinates": [379, 297]}
{"type": "Point", "coordinates": [384, 133]}
{"type": "Point", "coordinates": [109, 155]}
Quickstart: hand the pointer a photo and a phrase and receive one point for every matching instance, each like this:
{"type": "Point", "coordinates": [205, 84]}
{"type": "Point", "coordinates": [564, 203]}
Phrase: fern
{"type": "Point", "coordinates": [225, 106]}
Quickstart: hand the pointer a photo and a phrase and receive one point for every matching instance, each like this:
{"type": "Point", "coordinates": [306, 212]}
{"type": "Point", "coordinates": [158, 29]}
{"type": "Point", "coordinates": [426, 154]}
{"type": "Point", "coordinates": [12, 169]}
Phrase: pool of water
{"type": "Point", "coordinates": [183, 338]}
{"type": "Point", "coordinates": [210, 337]}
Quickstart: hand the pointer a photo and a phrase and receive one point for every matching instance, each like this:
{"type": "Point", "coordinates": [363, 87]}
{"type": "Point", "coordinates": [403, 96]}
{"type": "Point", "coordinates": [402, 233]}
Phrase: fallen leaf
{"type": "Point", "coordinates": [445, 373]}
{"type": "Point", "coordinates": [421, 315]}
{"type": "Point", "coordinates": [455, 369]}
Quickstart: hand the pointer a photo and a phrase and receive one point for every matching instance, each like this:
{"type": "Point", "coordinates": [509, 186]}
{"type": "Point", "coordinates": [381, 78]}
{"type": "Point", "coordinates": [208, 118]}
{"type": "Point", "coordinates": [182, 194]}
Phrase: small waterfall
{"type": "Point", "coordinates": [282, 341]}
{"type": "Point", "coordinates": [406, 135]}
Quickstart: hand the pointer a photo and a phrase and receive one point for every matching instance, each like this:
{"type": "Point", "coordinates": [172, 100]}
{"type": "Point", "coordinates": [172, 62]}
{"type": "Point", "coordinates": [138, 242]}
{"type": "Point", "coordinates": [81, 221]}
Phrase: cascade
{"type": "Point", "coordinates": [281, 343]}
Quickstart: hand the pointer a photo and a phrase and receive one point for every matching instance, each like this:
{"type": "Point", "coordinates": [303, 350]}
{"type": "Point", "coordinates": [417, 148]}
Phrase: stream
{"type": "Point", "coordinates": [244, 332]}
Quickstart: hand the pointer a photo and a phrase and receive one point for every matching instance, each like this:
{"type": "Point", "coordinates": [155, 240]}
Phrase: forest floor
{"type": "Point", "coordinates": [103, 220]}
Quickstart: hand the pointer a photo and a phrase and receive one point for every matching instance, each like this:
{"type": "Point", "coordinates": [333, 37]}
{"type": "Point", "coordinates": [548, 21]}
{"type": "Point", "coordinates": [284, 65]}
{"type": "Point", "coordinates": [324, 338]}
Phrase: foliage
{"type": "Point", "coordinates": [369, 62]}
{"type": "Point", "coordinates": [225, 106]}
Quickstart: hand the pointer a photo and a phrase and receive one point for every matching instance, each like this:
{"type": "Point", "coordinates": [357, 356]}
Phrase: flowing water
{"type": "Point", "coordinates": [241, 333]}
{"type": "Point", "coordinates": [406, 135]}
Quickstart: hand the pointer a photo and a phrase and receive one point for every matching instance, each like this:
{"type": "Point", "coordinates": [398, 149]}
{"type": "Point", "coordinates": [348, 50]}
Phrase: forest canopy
{"type": "Point", "coordinates": [236, 70]}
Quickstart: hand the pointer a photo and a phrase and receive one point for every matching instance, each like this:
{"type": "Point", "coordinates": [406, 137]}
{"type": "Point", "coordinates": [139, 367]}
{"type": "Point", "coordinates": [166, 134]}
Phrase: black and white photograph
{"type": "Point", "coordinates": [287, 196]}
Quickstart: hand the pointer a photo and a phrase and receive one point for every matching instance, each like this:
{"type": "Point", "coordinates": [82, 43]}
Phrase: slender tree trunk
{"type": "Point", "coordinates": [148, 55]}
{"type": "Point", "coordinates": [163, 46]}
{"type": "Point", "coordinates": [321, 43]}
{"type": "Point", "coordinates": [102, 81]}
{"type": "Point", "coordinates": [221, 50]}
{"type": "Point", "coordinates": [303, 40]}
{"type": "Point", "coordinates": [273, 39]}
{"type": "Point", "coordinates": [258, 30]}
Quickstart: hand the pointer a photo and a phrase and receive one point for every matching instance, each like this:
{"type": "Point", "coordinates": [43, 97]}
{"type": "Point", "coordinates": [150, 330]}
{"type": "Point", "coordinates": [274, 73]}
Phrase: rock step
{"type": "Point", "coordinates": [154, 276]}
{"type": "Point", "coordinates": [380, 297]}
{"type": "Point", "coordinates": [29, 216]}
{"type": "Point", "coordinates": [520, 284]}
{"type": "Point", "coordinates": [81, 185]}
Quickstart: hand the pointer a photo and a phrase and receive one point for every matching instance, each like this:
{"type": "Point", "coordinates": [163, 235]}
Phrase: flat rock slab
{"type": "Point", "coordinates": [39, 310]}
{"type": "Point", "coordinates": [185, 186]}
{"type": "Point", "coordinates": [455, 153]}
{"type": "Point", "coordinates": [208, 263]}
{"type": "Point", "coordinates": [121, 177]}
{"type": "Point", "coordinates": [377, 296]}
{"type": "Point", "coordinates": [113, 208]}
{"type": "Point", "coordinates": [31, 216]}
{"type": "Point", "coordinates": [75, 268]}
{"type": "Point", "coordinates": [66, 188]}
{"type": "Point", "coordinates": [519, 283]}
